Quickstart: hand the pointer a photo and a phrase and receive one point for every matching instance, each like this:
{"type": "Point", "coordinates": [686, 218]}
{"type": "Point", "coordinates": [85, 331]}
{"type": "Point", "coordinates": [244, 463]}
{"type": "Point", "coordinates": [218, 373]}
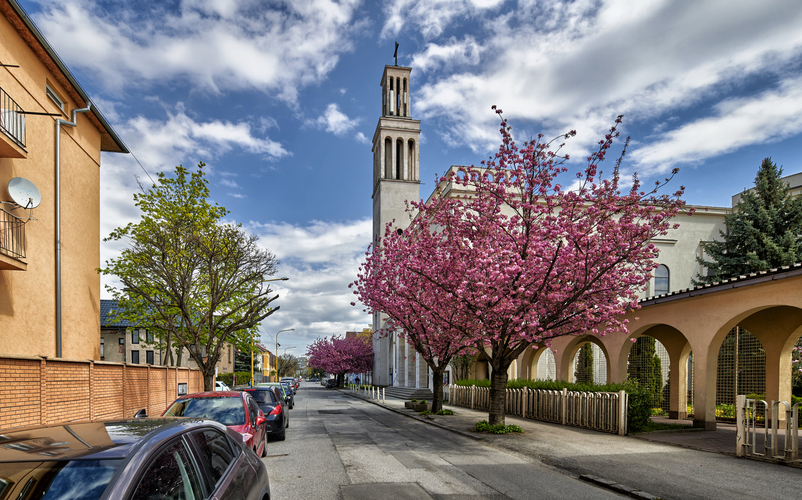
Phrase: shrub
{"type": "Point", "coordinates": [424, 413]}
{"type": "Point", "coordinates": [445, 412]}
{"type": "Point", "coordinates": [228, 378]}
{"type": "Point", "coordinates": [414, 400]}
{"type": "Point", "coordinates": [484, 426]}
{"type": "Point", "coordinates": [640, 407]}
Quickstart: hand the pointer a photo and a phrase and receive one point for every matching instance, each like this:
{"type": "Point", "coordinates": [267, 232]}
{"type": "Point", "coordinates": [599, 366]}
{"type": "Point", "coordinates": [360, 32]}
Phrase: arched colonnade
{"type": "Point", "coordinates": [695, 323]}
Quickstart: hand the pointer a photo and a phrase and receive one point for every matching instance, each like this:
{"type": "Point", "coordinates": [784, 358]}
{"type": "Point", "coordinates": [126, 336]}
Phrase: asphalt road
{"type": "Point", "coordinates": [339, 447]}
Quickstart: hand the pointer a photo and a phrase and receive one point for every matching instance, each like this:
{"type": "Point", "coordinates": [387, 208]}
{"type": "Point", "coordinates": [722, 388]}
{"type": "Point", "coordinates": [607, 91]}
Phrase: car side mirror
{"type": "Point", "coordinates": [143, 413]}
{"type": "Point", "coordinates": [260, 420]}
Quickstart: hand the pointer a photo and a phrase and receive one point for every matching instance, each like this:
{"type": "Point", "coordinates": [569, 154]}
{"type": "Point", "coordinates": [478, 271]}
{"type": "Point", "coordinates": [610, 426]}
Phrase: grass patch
{"type": "Point", "coordinates": [484, 426]}
{"type": "Point", "coordinates": [445, 412]}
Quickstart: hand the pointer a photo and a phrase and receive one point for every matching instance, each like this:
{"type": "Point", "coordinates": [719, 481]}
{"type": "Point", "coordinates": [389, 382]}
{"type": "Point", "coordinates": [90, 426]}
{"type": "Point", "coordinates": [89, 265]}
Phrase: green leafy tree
{"type": "Point", "coordinates": [287, 365]}
{"type": "Point", "coordinates": [186, 275]}
{"type": "Point", "coordinates": [646, 367]}
{"type": "Point", "coordinates": [462, 365]}
{"type": "Point", "coordinates": [763, 232]}
{"type": "Point", "coordinates": [584, 366]}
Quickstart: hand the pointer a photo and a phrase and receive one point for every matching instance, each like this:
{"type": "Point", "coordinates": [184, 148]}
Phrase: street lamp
{"type": "Point", "coordinates": [277, 344]}
{"type": "Point", "coordinates": [263, 281]}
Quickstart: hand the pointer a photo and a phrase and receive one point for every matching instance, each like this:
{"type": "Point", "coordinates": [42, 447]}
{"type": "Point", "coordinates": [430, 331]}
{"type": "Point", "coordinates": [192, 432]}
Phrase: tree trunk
{"type": "Point", "coordinates": [437, 389]}
{"type": "Point", "coordinates": [340, 379]}
{"type": "Point", "coordinates": [498, 395]}
{"type": "Point", "coordinates": [208, 380]}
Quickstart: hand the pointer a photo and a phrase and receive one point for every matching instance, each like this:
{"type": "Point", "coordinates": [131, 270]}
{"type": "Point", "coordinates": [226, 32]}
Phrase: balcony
{"type": "Point", "coordinates": [12, 242]}
{"type": "Point", "coordinates": [12, 126]}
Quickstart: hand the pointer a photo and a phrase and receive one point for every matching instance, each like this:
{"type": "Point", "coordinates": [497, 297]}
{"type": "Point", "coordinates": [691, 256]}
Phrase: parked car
{"type": "Point", "coordinates": [130, 459]}
{"type": "Point", "coordinates": [293, 383]}
{"type": "Point", "coordinates": [288, 397]}
{"type": "Point", "coordinates": [314, 379]}
{"type": "Point", "coordinates": [271, 402]}
{"type": "Point", "coordinates": [331, 383]}
{"type": "Point", "coordinates": [237, 410]}
{"type": "Point", "coordinates": [289, 389]}
{"type": "Point", "coordinates": [221, 386]}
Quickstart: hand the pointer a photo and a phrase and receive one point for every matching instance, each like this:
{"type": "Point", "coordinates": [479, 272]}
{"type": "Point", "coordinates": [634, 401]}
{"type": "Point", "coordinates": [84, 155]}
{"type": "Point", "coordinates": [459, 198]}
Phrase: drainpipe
{"type": "Point", "coordinates": [59, 123]}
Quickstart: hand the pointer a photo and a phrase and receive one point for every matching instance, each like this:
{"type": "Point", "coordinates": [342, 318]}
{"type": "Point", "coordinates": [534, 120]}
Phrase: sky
{"type": "Point", "coordinates": [281, 99]}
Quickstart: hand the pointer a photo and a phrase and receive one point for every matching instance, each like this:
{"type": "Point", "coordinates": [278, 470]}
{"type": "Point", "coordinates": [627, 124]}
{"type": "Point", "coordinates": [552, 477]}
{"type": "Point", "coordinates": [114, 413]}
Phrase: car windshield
{"type": "Point", "coordinates": [228, 410]}
{"type": "Point", "coordinates": [262, 396]}
{"type": "Point", "coordinates": [61, 480]}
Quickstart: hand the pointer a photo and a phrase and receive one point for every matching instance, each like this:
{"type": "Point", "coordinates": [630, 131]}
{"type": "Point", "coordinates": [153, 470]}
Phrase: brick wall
{"type": "Point", "coordinates": [40, 391]}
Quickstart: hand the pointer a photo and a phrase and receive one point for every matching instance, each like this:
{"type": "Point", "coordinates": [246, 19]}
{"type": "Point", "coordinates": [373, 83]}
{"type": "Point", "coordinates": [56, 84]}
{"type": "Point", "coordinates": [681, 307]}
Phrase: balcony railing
{"type": "Point", "coordinates": [12, 235]}
{"type": "Point", "coordinates": [12, 119]}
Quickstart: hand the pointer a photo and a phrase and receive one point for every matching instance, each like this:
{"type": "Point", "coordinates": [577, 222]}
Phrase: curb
{"type": "Point", "coordinates": [618, 488]}
{"type": "Point", "coordinates": [416, 417]}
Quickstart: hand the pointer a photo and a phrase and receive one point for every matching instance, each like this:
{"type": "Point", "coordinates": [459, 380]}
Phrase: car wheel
{"type": "Point", "coordinates": [281, 436]}
{"type": "Point", "coordinates": [288, 423]}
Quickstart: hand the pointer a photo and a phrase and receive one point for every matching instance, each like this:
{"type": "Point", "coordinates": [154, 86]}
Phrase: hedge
{"type": "Point", "coordinates": [228, 378]}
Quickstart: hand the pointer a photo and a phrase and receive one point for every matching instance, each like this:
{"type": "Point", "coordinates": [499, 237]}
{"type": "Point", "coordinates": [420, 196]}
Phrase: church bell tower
{"type": "Point", "coordinates": [396, 179]}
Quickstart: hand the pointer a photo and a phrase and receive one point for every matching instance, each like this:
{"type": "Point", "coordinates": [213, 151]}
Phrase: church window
{"type": "Point", "coordinates": [411, 160]}
{"type": "Point", "coordinates": [388, 158]}
{"type": "Point", "coordinates": [399, 154]}
{"type": "Point", "coordinates": [661, 280]}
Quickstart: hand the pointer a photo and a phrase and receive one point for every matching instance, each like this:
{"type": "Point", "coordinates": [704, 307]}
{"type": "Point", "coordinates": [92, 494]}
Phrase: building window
{"type": "Point", "coordinates": [134, 337]}
{"type": "Point", "coordinates": [149, 357]}
{"type": "Point", "coordinates": [55, 97]}
{"type": "Point", "coordinates": [135, 357]}
{"type": "Point", "coordinates": [102, 348]}
{"type": "Point", "coordinates": [661, 280]}
{"type": "Point", "coordinates": [229, 354]}
{"type": "Point", "coordinates": [150, 337]}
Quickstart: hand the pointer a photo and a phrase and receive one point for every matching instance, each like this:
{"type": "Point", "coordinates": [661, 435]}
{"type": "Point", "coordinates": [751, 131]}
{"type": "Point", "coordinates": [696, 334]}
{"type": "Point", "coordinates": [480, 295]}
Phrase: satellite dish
{"type": "Point", "coordinates": [24, 192]}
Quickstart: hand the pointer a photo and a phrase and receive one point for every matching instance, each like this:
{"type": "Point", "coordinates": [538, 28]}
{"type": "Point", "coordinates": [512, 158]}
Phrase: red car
{"type": "Point", "coordinates": [237, 410]}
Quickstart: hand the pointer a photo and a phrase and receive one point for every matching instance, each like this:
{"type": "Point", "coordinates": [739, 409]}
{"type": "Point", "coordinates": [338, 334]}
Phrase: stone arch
{"type": "Point", "coordinates": [512, 371]}
{"type": "Point", "coordinates": [570, 351]}
{"type": "Point", "coordinates": [388, 157]}
{"type": "Point", "coordinates": [678, 348]}
{"type": "Point", "coordinates": [775, 327]}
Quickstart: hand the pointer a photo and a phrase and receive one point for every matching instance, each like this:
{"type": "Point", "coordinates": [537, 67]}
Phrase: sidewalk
{"type": "Point", "coordinates": [673, 465]}
{"type": "Point", "coordinates": [722, 440]}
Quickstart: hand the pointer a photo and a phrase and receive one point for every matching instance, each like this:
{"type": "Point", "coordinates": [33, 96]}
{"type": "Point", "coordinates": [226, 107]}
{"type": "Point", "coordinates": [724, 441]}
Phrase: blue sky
{"type": "Point", "coordinates": [281, 100]}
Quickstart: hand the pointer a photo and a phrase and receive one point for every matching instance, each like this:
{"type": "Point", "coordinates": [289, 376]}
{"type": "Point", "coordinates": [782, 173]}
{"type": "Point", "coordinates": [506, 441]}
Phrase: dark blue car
{"type": "Point", "coordinates": [138, 459]}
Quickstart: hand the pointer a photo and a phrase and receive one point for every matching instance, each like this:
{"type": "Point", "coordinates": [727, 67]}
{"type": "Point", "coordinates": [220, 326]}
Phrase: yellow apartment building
{"type": "Point", "coordinates": [51, 137]}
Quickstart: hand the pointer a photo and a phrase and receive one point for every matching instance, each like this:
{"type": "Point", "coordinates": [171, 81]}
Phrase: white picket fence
{"type": "Point", "coordinates": [602, 411]}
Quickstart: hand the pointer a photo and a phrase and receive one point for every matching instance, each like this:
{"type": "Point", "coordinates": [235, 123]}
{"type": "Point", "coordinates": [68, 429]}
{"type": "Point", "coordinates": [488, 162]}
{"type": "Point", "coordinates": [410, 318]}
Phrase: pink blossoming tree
{"type": "Point", "coordinates": [392, 281]}
{"type": "Point", "coordinates": [505, 257]}
{"type": "Point", "coordinates": [339, 356]}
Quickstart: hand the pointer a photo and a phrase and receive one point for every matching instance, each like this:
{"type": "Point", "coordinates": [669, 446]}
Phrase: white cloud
{"type": "Point", "coordinates": [320, 259]}
{"type": "Point", "coordinates": [770, 116]}
{"type": "Point", "coordinates": [360, 137]}
{"type": "Point", "coordinates": [562, 66]}
{"type": "Point", "coordinates": [229, 183]}
{"type": "Point", "coordinates": [335, 121]}
{"type": "Point", "coordinates": [430, 17]}
{"type": "Point", "coordinates": [274, 47]}
{"type": "Point", "coordinates": [453, 53]}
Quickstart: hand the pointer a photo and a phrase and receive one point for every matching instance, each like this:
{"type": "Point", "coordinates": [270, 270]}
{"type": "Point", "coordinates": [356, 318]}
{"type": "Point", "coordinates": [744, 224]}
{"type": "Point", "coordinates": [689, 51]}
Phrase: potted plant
{"type": "Point", "coordinates": [422, 405]}
{"type": "Point", "coordinates": [409, 404]}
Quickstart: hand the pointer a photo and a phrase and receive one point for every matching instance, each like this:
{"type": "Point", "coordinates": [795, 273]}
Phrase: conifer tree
{"type": "Point", "coordinates": [764, 231]}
